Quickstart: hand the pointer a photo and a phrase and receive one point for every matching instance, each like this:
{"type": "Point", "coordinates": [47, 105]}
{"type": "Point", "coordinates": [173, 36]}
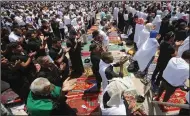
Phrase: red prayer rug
{"type": "Point", "coordinates": [83, 84]}
{"type": "Point", "coordinates": [85, 104]}
{"type": "Point", "coordinates": [178, 97]}
{"type": "Point", "coordinates": [85, 53]}
{"type": "Point", "coordinates": [9, 96]}
{"type": "Point", "coordinates": [114, 39]}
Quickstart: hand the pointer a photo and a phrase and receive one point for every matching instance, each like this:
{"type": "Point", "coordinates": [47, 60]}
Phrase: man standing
{"type": "Point", "coordinates": [74, 45]}
{"type": "Point", "coordinates": [57, 53]}
{"type": "Point", "coordinates": [115, 13]}
{"type": "Point", "coordinates": [95, 57]}
{"type": "Point", "coordinates": [175, 75]}
{"type": "Point", "coordinates": [101, 38]}
{"type": "Point", "coordinates": [167, 51]}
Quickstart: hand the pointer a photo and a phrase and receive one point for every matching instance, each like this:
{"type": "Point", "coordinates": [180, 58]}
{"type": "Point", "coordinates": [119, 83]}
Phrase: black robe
{"type": "Point", "coordinates": [181, 34]}
{"type": "Point", "coordinates": [75, 57]}
{"type": "Point", "coordinates": [121, 21]}
{"type": "Point", "coordinates": [164, 28]}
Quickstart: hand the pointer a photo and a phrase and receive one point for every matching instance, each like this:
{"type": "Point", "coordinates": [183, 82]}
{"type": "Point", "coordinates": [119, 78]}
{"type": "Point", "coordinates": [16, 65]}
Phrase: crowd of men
{"type": "Point", "coordinates": [34, 62]}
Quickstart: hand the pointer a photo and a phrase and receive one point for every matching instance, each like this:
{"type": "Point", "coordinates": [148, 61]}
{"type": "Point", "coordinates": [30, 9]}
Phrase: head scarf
{"type": "Point", "coordinates": [140, 21]}
{"type": "Point", "coordinates": [153, 34]}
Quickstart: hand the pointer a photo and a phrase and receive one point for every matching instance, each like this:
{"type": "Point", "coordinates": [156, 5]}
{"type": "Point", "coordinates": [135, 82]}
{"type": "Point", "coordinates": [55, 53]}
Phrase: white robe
{"type": "Point", "coordinates": [115, 13]}
{"type": "Point", "coordinates": [105, 38]}
{"type": "Point", "coordinates": [121, 110]}
{"type": "Point", "coordinates": [138, 29]}
{"type": "Point", "coordinates": [184, 47]}
{"type": "Point", "coordinates": [102, 70]}
{"type": "Point", "coordinates": [114, 110]}
{"type": "Point", "coordinates": [157, 22]}
{"type": "Point", "coordinates": [187, 96]}
{"type": "Point", "coordinates": [176, 72]}
{"type": "Point", "coordinates": [146, 52]}
{"type": "Point", "coordinates": [67, 20]}
{"type": "Point", "coordinates": [144, 15]}
{"type": "Point", "coordinates": [143, 36]}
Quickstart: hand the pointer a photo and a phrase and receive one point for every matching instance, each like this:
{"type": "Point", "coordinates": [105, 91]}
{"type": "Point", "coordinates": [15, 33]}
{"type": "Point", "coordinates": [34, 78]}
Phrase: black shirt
{"type": "Point", "coordinates": [166, 51]}
{"type": "Point", "coordinates": [34, 45]}
{"type": "Point", "coordinates": [110, 72]}
{"type": "Point", "coordinates": [181, 35]}
{"type": "Point", "coordinates": [53, 75]}
{"type": "Point", "coordinates": [30, 70]}
{"type": "Point", "coordinates": [72, 44]}
{"type": "Point", "coordinates": [55, 54]}
{"type": "Point", "coordinates": [49, 35]}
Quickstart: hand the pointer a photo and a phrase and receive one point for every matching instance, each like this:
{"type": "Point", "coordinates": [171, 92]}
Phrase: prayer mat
{"type": "Point", "coordinates": [114, 39]}
{"type": "Point", "coordinates": [87, 70]}
{"type": "Point", "coordinates": [113, 33]}
{"type": "Point", "coordinates": [178, 97]}
{"type": "Point", "coordinates": [117, 55]}
{"type": "Point", "coordinates": [9, 96]}
{"type": "Point", "coordinates": [130, 97]}
{"type": "Point", "coordinates": [85, 105]}
{"type": "Point", "coordinates": [85, 53]}
{"type": "Point", "coordinates": [83, 83]}
{"type": "Point", "coordinates": [93, 28]}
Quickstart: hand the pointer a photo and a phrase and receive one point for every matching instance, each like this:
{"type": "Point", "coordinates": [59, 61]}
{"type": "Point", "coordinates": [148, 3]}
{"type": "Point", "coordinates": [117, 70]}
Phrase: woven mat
{"type": "Point", "coordinates": [86, 104]}
{"type": "Point", "coordinates": [130, 97]}
{"type": "Point", "coordinates": [114, 39]}
{"type": "Point", "coordinates": [8, 95]}
{"type": "Point", "coordinates": [83, 83]}
{"type": "Point", "coordinates": [178, 97]}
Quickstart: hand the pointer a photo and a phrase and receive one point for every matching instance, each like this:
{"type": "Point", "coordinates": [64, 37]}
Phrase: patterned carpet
{"type": "Point", "coordinates": [84, 103]}
{"type": "Point", "coordinates": [178, 97]}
